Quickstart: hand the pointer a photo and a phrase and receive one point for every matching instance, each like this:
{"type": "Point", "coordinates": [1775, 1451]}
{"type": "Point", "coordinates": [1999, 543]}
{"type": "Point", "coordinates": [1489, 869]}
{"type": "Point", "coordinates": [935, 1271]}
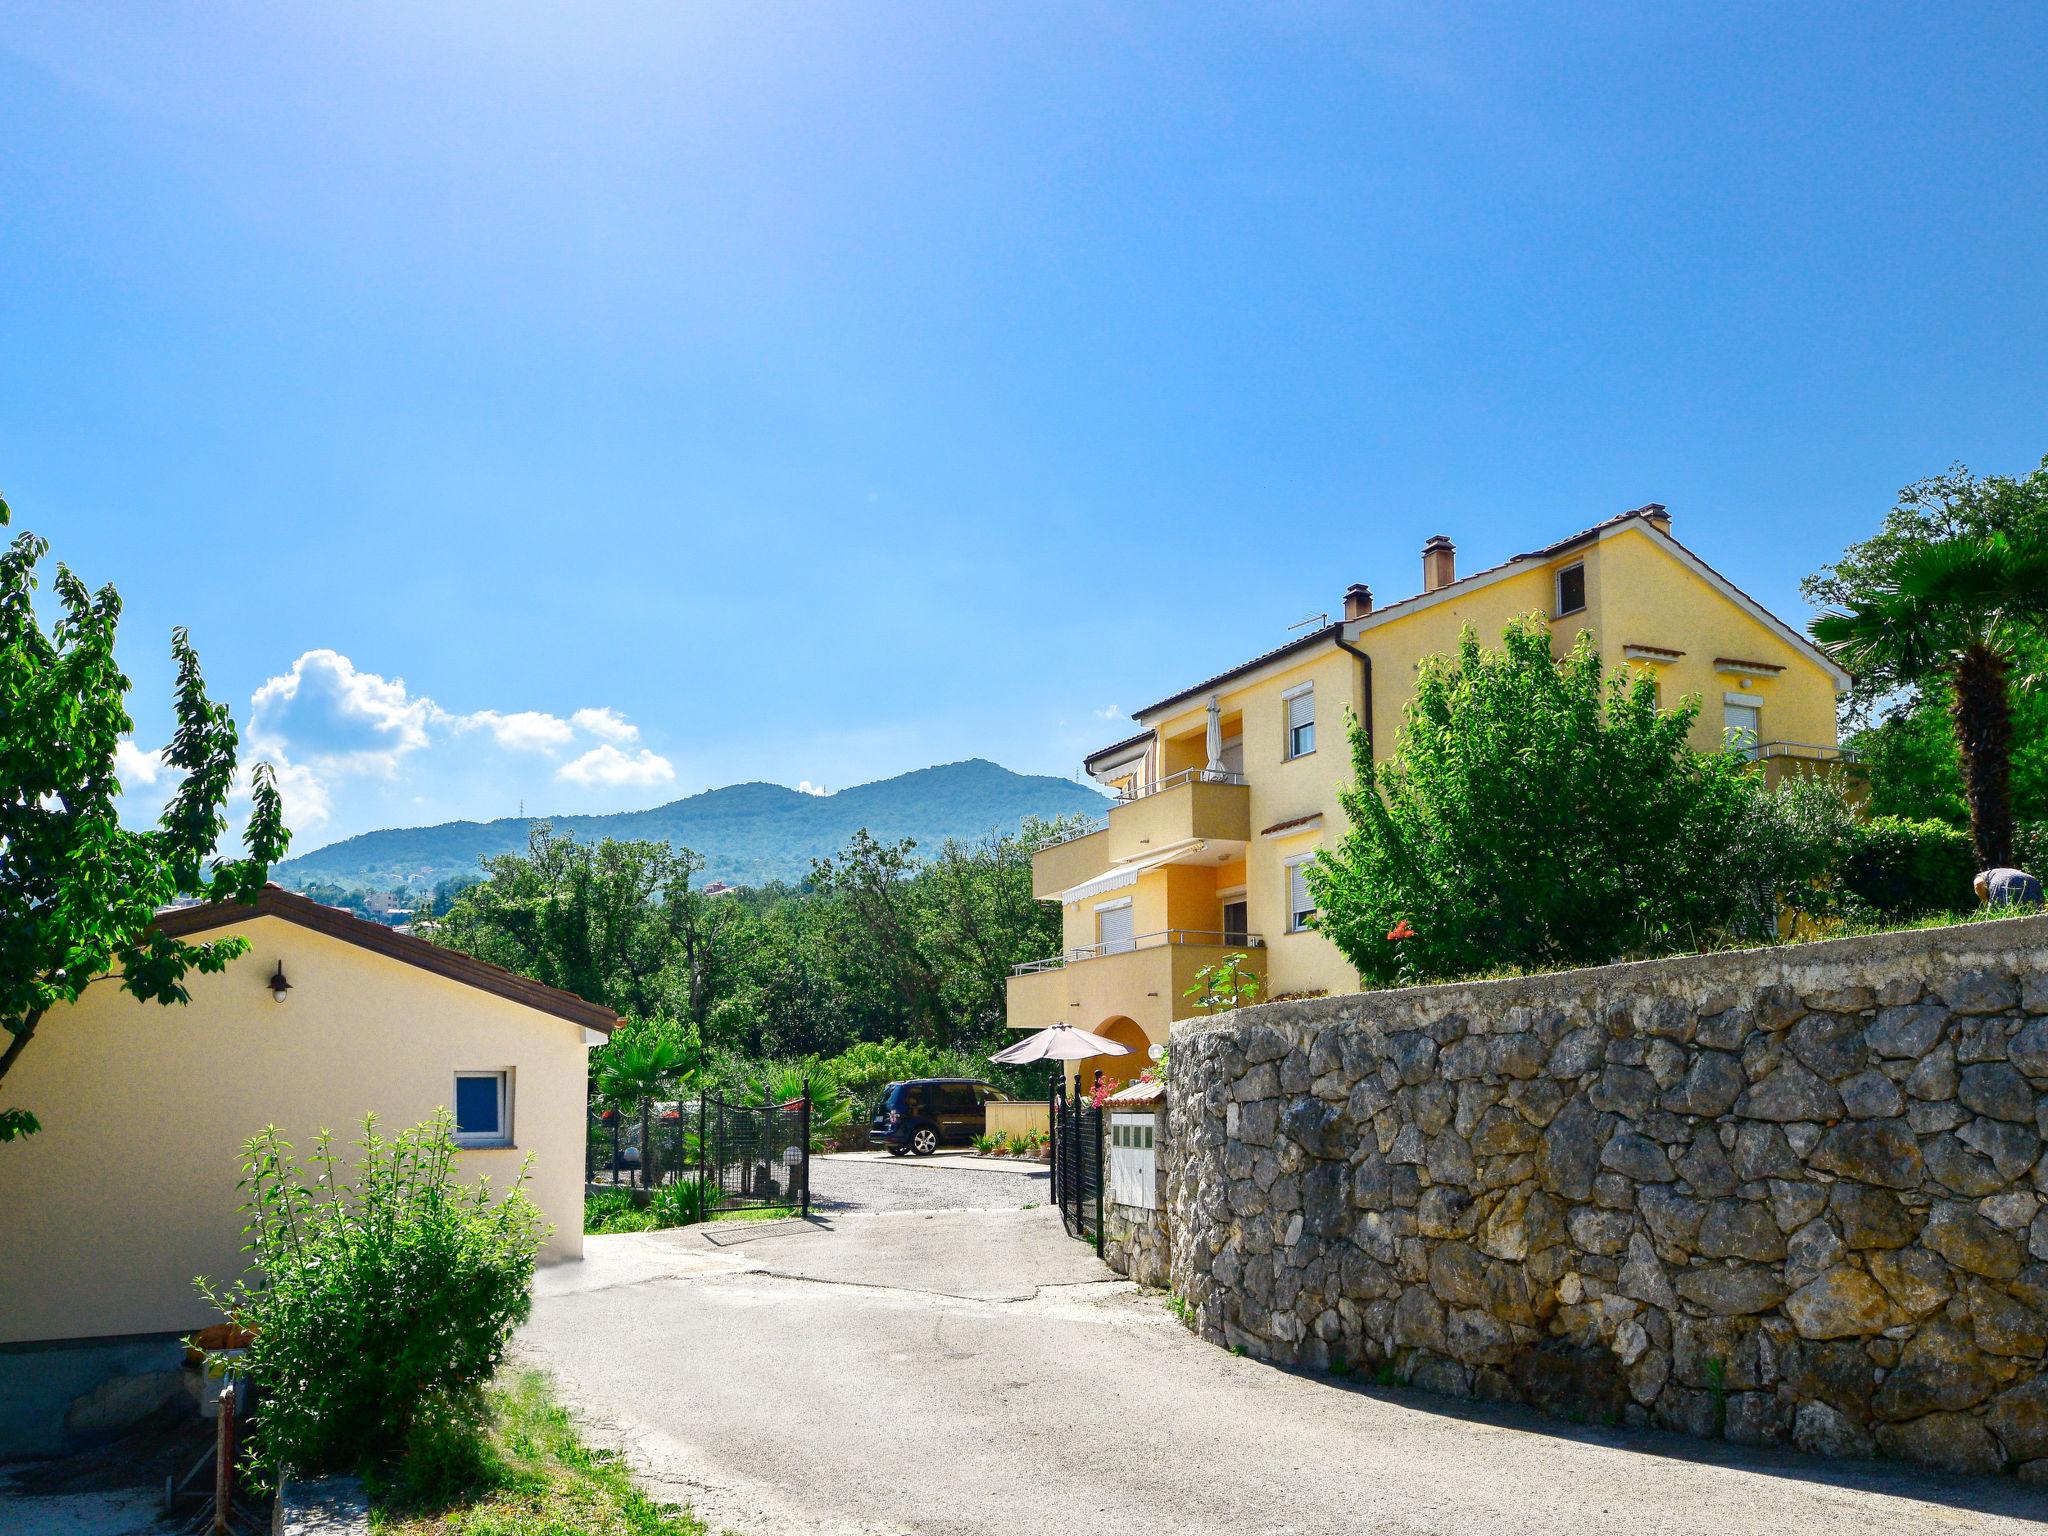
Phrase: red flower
{"type": "Point", "coordinates": [1400, 931]}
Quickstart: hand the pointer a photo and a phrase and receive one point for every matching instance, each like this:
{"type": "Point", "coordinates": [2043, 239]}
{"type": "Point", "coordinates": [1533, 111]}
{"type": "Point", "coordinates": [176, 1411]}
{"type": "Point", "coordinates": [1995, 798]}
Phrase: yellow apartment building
{"type": "Point", "coordinates": [1230, 786]}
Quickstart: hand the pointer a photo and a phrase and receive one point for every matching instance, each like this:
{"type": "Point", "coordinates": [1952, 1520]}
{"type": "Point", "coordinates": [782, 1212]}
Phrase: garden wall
{"type": "Point", "coordinates": [1783, 1195]}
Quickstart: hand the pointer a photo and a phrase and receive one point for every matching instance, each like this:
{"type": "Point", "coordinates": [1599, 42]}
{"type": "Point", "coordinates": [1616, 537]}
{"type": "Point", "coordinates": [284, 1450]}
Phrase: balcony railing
{"type": "Point", "coordinates": [1801, 751]}
{"type": "Point", "coordinates": [1086, 826]}
{"type": "Point", "coordinates": [1175, 780]}
{"type": "Point", "coordinates": [1141, 941]}
{"type": "Point", "coordinates": [1809, 750]}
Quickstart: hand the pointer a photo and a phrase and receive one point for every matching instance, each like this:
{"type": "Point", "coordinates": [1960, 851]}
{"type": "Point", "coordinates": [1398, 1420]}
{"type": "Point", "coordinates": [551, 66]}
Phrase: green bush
{"type": "Point", "coordinates": [615, 1210]}
{"type": "Point", "coordinates": [1535, 814]}
{"type": "Point", "coordinates": [1900, 868]}
{"type": "Point", "coordinates": [376, 1304]}
{"type": "Point", "coordinates": [684, 1203]}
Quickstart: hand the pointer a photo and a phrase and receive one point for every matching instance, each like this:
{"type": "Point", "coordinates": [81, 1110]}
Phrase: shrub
{"type": "Point", "coordinates": [375, 1305]}
{"type": "Point", "coordinates": [615, 1210]}
{"type": "Point", "coordinates": [1900, 868]}
{"type": "Point", "coordinates": [684, 1203]}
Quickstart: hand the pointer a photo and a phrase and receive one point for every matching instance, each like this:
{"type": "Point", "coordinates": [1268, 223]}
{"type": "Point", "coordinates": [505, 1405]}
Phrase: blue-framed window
{"type": "Point", "coordinates": [483, 1109]}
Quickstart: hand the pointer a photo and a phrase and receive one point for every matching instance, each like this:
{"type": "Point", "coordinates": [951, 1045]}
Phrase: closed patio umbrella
{"type": "Point", "coordinates": [1061, 1042]}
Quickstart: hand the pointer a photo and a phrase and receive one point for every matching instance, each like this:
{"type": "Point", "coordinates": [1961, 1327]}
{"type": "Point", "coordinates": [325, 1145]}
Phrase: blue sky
{"type": "Point", "coordinates": [580, 406]}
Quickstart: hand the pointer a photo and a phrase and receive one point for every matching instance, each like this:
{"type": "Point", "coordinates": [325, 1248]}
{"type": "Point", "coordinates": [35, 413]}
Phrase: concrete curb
{"type": "Point", "coordinates": [326, 1506]}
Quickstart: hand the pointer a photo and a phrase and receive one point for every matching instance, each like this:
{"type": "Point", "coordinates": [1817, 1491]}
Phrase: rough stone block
{"type": "Point", "coordinates": [1637, 1157]}
{"type": "Point", "coordinates": [1873, 1151]}
{"type": "Point", "coordinates": [1970, 1242]}
{"type": "Point", "coordinates": [1790, 1093]}
{"type": "Point", "coordinates": [1870, 1095]}
{"type": "Point", "coordinates": [1843, 1303]}
{"type": "Point", "coordinates": [1820, 1430]}
{"type": "Point", "coordinates": [1954, 1442]}
{"type": "Point", "coordinates": [1917, 1281]}
{"type": "Point", "coordinates": [1996, 1089]}
{"type": "Point", "coordinates": [1980, 992]}
{"type": "Point", "coordinates": [1908, 1033]}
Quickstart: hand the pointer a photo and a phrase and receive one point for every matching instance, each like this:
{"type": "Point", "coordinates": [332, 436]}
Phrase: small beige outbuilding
{"type": "Point", "coordinates": [128, 1191]}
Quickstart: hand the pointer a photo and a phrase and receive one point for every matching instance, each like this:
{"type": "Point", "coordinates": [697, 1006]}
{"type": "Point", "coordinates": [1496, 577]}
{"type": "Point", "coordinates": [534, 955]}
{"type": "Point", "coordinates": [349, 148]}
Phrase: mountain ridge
{"type": "Point", "coordinates": [749, 833]}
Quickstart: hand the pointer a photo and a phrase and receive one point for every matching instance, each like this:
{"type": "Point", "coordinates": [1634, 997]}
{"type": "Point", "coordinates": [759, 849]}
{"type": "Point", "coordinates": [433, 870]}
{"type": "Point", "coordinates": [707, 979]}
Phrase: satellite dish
{"type": "Point", "coordinates": [1155, 1052]}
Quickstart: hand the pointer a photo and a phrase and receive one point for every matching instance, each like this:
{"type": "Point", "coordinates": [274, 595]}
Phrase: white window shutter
{"type": "Point", "coordinates": [1301, 709]}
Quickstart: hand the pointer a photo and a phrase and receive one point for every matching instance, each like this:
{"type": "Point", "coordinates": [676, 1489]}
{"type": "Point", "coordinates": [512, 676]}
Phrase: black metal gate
{"type": "Point", "coordinates": [1077, 1165]}
{"type": "Point", "coordinates": [755, 1155]}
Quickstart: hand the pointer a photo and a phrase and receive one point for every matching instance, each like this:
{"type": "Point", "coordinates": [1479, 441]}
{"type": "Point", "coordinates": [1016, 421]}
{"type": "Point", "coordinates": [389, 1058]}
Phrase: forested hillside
{"type": "Point", "coordinates": [747, 834]}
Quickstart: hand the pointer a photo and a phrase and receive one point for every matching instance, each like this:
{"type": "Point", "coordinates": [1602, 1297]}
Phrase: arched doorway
{"type": "Point", "coordinates": [1121, 1069]}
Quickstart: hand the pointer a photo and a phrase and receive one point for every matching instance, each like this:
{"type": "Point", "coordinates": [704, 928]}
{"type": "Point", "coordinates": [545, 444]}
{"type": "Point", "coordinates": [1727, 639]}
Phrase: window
{"type": "Point", "coordinates": [1113, 931]}
{"type": "Point", "coordinates": [1301, 720]}
{"type": "Point", "coordinates": [1301, 906]}
{"type": "Point", "coordinates": [1742, 725]}
{"type": "Point", "coordinates": [483, 1109]}
{"type": "Point", "coordinates": [956, 1099]}
{"type": "Point", "coordinates": [1571, 589]}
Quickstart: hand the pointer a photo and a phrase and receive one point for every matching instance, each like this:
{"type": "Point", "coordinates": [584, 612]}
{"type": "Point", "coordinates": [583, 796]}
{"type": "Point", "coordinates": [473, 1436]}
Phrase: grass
{"type": "Point", "coordinates": [525, 1472]}
{"type": "Point", "coordinates": [761, 1213]}
{"type": "Point", "coordinates": [1807, 932]}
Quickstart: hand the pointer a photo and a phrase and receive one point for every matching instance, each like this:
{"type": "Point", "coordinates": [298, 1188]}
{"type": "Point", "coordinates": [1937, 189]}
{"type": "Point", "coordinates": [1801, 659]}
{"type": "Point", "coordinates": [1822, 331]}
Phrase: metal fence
{"type": "Point", "coordinates": [756, 1155]}
{"type": "Point", "coordinates": [750, 1155]}
{"type": "Point", "coordinates": [1077, 1175]}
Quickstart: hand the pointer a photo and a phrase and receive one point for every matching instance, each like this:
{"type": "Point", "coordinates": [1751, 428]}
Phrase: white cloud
{"type": "Point", "coordinates": [605, 723]}
{"type": "Point", "coordinates": [326, 722]}
{"type": "Point", "coordinates": [608, 767]}
{"type": "Point", "coordinates": [307, 800]}
{"type": "Point", "coordinates": [529, 730]}
{"type": "Point", "coordinates": [1107, 712]}
{"type": "Point", "coordinates": [329, 713]}
{"type": "Point", "coordinates": [133, 766]}
{"type": "Point", "coordinates": [806, 787]}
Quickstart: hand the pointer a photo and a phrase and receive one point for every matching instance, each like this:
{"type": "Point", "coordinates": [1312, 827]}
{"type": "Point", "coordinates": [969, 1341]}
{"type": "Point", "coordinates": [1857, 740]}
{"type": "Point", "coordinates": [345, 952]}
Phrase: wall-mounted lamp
{"type": "Point", "coordinates": [278, 985]}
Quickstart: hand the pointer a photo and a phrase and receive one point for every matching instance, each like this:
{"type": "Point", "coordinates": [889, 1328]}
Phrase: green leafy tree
{"type": "Point", "coordinates": [78, 891]}
{"type": "Point", "coordinates": [616, 922]}
{"type": "Point", "coordinates": [1535, 815]}
{"type": "Point", "coordinates": [1903, 727]}
{"type": "Point", "coordinates": [1960, 611]}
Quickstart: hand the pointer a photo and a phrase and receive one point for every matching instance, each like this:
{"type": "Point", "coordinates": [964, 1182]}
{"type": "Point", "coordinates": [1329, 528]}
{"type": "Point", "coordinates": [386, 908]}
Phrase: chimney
{"type": "Point", "coordinates": [1654, 513]}
{"type": "Point", "coordinates": [1439, 563]}
{"type": "Point", "coordinates": [1357, 600]}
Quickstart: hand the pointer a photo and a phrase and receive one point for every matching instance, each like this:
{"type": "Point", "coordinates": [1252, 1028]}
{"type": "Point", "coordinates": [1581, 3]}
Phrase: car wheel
{"type": "Point", "coordinates": [924, 1141]}
{"type": "Point", "coordinates": [899, 1151]}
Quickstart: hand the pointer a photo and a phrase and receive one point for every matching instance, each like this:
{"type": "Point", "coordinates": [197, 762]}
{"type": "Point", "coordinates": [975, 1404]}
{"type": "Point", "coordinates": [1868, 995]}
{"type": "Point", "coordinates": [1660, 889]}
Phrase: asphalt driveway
{"type": "Point", "coordinates": [975, 1371]}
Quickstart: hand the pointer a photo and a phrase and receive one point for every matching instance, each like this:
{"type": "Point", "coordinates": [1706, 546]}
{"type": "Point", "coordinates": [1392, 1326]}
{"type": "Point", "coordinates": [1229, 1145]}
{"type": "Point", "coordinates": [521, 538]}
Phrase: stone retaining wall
{"type": "Point", "coordinates": [1782, 1195]}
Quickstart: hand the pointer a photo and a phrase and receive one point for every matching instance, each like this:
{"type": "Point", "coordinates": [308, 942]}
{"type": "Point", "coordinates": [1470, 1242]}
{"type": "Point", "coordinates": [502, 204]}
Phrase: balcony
{"type": "Point", "coordinates": [1062, 866]}
{"type": "Point", "coordinates": [1200, 805]}
{"type": "Point", "coordinates": [1784, 760]}
{"type": "Point", "coordinates": [1143, 979]}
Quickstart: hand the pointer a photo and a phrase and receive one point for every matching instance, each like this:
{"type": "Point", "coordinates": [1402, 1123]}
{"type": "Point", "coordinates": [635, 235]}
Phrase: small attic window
{"type": "Point", "coordinates": [1571, 589]}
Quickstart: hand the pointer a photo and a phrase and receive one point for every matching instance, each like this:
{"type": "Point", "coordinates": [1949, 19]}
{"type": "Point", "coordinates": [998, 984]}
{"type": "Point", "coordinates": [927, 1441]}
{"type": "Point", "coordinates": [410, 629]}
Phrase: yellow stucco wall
{"type": "Point", "coordinates": [1018, 1117]}
{"type": "Point", "coordinates": [1650, 598]}
{"type": "Point", "coordinates": [1639, 591]}
{"type": "Point", "coordinates": [128, 1191]}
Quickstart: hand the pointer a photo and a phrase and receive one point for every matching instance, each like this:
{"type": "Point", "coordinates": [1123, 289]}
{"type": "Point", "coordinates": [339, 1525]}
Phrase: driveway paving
{"type": "Point", "coordinates": [886, 1370]}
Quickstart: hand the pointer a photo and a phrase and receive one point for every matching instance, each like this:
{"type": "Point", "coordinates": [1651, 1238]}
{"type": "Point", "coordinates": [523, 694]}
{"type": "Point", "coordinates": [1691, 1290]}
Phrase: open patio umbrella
{"type": "Point", "coordinates": [1060, 1042]}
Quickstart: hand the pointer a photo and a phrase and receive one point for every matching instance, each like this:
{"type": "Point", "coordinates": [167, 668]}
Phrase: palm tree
{"type": "Point", "coordinates": [632, 1073]}
{"type": "Point", "coordinates": [1955, 610]}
